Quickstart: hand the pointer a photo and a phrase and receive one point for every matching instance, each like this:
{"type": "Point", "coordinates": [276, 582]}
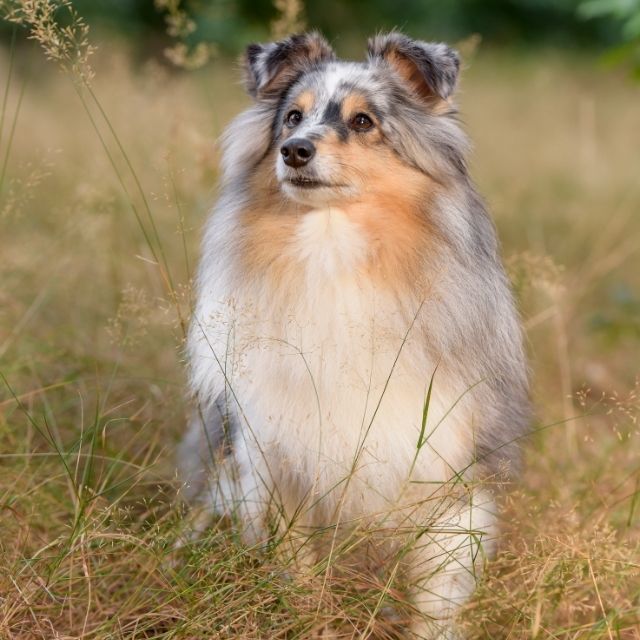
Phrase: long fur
{"type": "Point", "coordinates": [325, 316]}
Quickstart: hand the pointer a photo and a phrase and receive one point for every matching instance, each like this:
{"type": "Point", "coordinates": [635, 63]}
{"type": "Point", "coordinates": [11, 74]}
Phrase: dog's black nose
{"type": "Point", "coordinates": [297, 152]}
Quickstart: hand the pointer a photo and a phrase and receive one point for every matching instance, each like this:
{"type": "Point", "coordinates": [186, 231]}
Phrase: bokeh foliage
{"type": "Point", "coordinates": [231, 23]}
{"type": "Point", "coordinates": [190, 32]}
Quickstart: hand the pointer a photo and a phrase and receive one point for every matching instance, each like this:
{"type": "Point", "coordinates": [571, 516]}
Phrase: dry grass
{"type": "Point", "coordinates": [92, 321]}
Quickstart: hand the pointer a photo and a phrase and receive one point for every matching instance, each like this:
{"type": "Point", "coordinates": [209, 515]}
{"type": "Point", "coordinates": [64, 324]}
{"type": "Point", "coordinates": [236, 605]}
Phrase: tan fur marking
{"type": "Point", "coordinates": [353, 104]}
{"type": "Point", "coordinates": [268, 224]}
{"type": "Point", "coordinates": [305, 101]}
{"type": "Point", "coordinates": [394, 214]}
{"type": "Point", "coordinates": [392, 209]}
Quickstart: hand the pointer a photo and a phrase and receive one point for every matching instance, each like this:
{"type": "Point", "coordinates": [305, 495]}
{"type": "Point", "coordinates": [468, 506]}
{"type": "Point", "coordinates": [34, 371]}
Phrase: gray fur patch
{"type": "Point", "coordinates": [209, 438]}
{"type": "Point", "coordinates": [332, 117]}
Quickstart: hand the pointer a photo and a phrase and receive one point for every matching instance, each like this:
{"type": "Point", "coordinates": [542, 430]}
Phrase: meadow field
{"type": "Point", "coordinates": [103, 197]}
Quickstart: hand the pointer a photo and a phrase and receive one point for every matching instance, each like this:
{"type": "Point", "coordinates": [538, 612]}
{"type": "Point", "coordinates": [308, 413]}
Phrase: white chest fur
{"type": "Point", "coordinates": [328, 373]}
{"type": "Point", "coordinates": [328, 243]}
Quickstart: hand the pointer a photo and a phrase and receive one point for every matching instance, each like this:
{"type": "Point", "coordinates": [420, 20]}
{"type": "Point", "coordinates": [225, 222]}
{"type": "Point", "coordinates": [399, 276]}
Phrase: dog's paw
{"type": "Point", "coordinates": [431, 630]}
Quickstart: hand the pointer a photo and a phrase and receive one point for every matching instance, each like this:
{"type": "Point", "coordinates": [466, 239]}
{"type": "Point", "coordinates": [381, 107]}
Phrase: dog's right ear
{"type": "Point", "coordinates": [271, 68]}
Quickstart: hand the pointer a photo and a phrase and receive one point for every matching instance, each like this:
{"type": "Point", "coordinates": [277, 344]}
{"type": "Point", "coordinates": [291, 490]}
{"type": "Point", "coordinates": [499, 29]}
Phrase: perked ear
{"type": "Point", "coordinates": [430, 69]}
{"type": "Point", "coordinates": [271, 68]}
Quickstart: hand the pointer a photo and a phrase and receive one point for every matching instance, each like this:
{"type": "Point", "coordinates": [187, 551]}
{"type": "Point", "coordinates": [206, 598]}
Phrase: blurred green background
{"type": "Point", "coordinates": [603, 25]}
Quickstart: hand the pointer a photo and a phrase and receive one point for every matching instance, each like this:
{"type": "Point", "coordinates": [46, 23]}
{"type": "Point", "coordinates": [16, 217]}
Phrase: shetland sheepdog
{"type": "Point", "coordinates": [355, 353]}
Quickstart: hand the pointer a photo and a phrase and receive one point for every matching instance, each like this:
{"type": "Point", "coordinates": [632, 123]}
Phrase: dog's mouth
{"type": "Point", "coordinates": [309, 183]}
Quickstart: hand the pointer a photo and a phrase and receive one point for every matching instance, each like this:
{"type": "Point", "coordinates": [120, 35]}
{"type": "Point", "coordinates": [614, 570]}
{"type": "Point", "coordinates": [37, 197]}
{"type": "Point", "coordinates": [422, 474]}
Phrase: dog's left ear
{"type": "Point", "coordinates": [430, 69]}
{"type": "Point", "coordinates": [271, 68]}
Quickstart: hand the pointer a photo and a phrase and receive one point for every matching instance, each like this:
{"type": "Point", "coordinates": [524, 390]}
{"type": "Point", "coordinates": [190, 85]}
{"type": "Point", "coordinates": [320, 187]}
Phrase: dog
{"type": "Point", "coordinates": [355, 352]}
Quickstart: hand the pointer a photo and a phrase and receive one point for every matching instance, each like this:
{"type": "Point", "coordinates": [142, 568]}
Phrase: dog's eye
{"type": "Point", "coordinates": [294, 118]}
{"type": "Point", "coordinates": [361, 122]}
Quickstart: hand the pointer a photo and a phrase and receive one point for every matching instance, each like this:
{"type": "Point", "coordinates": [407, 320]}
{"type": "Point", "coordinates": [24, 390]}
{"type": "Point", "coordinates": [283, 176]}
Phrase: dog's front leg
{"type": "Point", "coordinates": [446, 559]}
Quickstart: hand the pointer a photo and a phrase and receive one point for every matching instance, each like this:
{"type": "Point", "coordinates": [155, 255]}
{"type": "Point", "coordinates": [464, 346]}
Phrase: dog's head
{"type": "Point", "coordinates": [340, 130]}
